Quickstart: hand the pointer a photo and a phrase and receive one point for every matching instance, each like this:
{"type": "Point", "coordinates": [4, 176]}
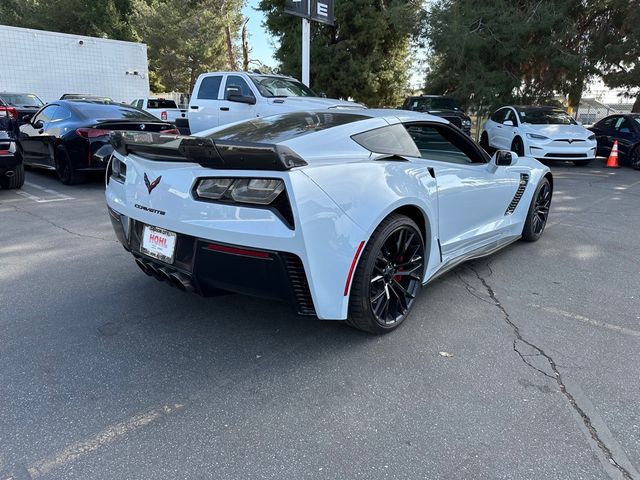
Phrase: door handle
{"type": "Point", "coordinates": [224, 109]}
{"type": "Point", "coordinates": [499, 126]}
{"type": "Point", "coordinates": [194, 107]}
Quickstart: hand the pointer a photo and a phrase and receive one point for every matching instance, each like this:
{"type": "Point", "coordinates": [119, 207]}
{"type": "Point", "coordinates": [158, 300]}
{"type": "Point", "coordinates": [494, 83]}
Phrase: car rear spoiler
{"type": "Point", "coordinates": [222, 155]}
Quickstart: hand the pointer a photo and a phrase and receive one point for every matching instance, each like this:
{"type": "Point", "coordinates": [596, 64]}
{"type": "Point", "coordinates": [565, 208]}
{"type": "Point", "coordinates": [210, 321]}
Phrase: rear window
{"type": "Point", "coordinates": [111, 112]}
{"type": "Point", "coordinates": [161, 103]}
{"type": "Point", "coordinates": [280, 128]}
{"type": "Point", "coordinates": [22, 100]}
{"type": "Point", "coordinates": [391, 140]}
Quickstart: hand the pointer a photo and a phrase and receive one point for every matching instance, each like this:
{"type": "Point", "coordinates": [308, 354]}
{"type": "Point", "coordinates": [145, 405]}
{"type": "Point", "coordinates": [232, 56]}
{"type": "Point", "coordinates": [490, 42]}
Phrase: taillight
{"type": "Point", "coordinates": [171, 131]}
{"type": "Point", "coordinates": [92, 132]}
{"type": "Point", "coordinates": [10, 111]}
{"type": "Point", "coordinates": [163, 116]}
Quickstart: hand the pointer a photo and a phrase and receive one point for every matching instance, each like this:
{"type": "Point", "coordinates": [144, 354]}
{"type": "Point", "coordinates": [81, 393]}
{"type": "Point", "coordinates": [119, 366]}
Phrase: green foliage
{"type": "Point", "coordinates": [364, 57]}
{"type": "Point", "coordinates": [489, 54]}
{"type": "Point", "coordinates": [185, 38]}
{"type": "Point", "coordinates": [104, 18]}
{"type": "Point", "coordinates": [492, 53]}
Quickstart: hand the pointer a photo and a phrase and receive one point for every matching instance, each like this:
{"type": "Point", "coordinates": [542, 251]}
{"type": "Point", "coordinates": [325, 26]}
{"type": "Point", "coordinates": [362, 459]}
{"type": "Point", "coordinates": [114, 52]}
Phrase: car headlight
{"type": "Point", "coordinates": [466, 122]}
{"type": "Point", "coordinates": [535, 136]}
{"type": "Point", "coordinates": [591, 137]}
{"type": "Point", "coordinates": [259, 191]}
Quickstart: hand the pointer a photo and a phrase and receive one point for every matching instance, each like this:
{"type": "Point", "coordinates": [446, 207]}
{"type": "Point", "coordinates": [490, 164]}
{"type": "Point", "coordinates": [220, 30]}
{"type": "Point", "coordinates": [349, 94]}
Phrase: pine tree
{"type": "Point", "coordinates": [364, 57]}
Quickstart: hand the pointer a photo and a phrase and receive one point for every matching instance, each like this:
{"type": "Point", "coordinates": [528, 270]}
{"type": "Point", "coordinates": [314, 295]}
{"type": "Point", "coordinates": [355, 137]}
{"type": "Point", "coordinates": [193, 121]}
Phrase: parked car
{"type": "Point", "coordinates": [11, 167]}
{"type": "Point", "coordinates": [25, 104]}
{"type": "Point", "coordinates": [545, 133]}
{"type": "Point", "coordinates": [626, 130]}
{"type": "Point", "coordinates": [72, 137]}
{"type": "Point", "coordinates": [346, 213]}
{"type": "Point", "coordinates": [164, 109]}
{"type": "Point", "coordinates": [440, 106]}
{"type": "Point", "coordinates": [86, 96]}
{"type": "Point", "coordinates": [224, 97]}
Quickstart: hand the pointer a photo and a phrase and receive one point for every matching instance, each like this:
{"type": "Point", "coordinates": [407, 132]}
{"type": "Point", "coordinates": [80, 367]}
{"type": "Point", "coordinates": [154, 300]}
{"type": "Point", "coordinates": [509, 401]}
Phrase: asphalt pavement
{"type": "Point", "coordinates": [522, 365]}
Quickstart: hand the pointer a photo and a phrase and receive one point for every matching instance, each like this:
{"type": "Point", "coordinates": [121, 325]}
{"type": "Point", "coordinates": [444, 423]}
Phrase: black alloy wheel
{"type": "Point", "coordinates": [388, 277]}
{"type": "Point", "coordinates": [538, 212]}
{"type": "Point", "coordinates": [518, 147]}
{"type": "Point", "coordinates": [635, 158]}
{"type": "Point", "coordinates": [64, 168]}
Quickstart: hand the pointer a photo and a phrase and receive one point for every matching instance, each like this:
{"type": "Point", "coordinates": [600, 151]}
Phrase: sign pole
{"type": "Point", "coordinates": [306, 47]}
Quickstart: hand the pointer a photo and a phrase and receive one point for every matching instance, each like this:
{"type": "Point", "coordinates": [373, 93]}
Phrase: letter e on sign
{"type": "Point", "coordinates": [323, 9]}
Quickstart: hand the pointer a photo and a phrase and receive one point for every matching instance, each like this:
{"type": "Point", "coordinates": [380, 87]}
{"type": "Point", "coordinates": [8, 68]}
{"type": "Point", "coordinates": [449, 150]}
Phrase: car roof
{"type": "Point", "coordinates": [402, 115]}
{"type": "Point", "coordinates": [530, 108]}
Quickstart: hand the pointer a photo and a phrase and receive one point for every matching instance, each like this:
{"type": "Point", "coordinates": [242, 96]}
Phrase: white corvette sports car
{"type": "Point", "coordinates": [344, 213]}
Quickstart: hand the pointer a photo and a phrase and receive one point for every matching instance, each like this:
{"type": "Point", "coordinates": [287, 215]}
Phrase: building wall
{"type": "Point", "coordinates": [50, 64]}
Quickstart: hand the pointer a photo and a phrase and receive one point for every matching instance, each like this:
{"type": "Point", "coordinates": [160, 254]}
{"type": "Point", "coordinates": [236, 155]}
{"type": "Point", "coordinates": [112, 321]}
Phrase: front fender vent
{"type": "Point", "coordinates": [524, 180]}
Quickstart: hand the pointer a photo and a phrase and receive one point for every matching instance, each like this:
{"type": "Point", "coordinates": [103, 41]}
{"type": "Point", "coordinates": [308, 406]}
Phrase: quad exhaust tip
{"type": "Point", "coordinates": [163, 274]}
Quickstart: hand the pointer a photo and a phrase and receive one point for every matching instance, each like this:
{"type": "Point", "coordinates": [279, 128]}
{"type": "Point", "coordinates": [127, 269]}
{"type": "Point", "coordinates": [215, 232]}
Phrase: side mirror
{"type": "Point", "coordinates": [503, 158]}
{"type": "Point", "coordinates": [242, 99]}
{"type": "Point", "coordinates": [508, 123]}
{"type": "Point", "coordinates": [38, 124]}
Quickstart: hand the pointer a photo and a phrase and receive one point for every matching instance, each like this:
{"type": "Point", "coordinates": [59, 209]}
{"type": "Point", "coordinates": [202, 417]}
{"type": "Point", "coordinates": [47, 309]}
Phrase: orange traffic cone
{"type": "Point", "coordinates": [612, 161]}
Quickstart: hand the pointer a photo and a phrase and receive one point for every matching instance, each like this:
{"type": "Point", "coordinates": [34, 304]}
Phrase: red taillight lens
{"type": "Point", "coordinates": [92, 132]}
{"type": "Point", "coordinates": [163, 116]}
{"type": "Point", "coordinates": [11, 112]}
{"type": "Point", "coordinates": [171, 131]}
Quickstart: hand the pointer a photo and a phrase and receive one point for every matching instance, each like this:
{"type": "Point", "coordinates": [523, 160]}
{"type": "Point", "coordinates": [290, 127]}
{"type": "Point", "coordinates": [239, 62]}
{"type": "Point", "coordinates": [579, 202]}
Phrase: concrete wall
{"type": "Point", "coordinates": [49, 64]}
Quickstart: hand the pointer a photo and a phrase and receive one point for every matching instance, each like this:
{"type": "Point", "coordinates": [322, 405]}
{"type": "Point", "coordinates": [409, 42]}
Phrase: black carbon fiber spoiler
{"type": "Point", "coordinates": [205, 151]}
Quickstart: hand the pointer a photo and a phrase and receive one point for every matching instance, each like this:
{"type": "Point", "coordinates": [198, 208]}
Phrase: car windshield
{"type": "Point", "coordinates": [433, 103]}
{"type": "Point", "coordinates": [546, 117]}
{"type": "Point", "coordinates": [111, 112]}
{"type": "Point", "coordinates": [636, 118]}
{"type": "Point", "coordinates": [21, 100]}
{"type": "Point", "coordinates": [281, 87]}
{"type": "Point", "coordinates": [161, 103]}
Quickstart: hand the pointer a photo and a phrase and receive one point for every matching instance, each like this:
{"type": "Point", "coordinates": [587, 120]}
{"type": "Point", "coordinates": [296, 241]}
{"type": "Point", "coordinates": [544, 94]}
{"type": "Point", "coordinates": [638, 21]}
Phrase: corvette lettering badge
{"type": "Point", "coordinates": [151, 185]}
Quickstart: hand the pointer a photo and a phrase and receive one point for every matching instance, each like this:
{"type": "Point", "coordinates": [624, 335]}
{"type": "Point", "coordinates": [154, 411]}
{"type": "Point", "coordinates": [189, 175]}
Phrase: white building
{"type": "Point", "coordinates": [50, 64]}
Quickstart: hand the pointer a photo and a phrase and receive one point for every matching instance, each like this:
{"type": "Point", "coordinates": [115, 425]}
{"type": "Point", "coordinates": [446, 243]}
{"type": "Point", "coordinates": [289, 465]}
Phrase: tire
{"type": "Point", "coordinates": [538, 213]}
{"type": "Point", "coordinates": [384, 274]}
{"type": "Point", "coordinates": [64, 168]}
{"type": "Point", "coordinates": [484, 142]}
{"type": "Point", "coordinates": [581, 163]}
{"type": "Point", "coordinates": [14, 182]}
{"type": "Point", "coordinates": [634, 158]}
{"type": "Point", "coordinates": [517, 147]}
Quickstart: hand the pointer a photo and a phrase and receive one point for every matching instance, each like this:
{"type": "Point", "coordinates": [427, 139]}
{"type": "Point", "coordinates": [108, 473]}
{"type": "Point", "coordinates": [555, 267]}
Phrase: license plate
{"type": "Point", "coordinates": [158, 243]}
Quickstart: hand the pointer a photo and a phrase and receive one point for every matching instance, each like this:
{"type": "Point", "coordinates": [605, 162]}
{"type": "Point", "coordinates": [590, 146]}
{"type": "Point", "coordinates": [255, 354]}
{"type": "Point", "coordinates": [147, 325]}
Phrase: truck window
{"type": "Point", "coordinates": [237, 82]}
{"type": "Point", "coordinates": [161, 103]}
{"type": "Point", "coordinates": [210, 87]}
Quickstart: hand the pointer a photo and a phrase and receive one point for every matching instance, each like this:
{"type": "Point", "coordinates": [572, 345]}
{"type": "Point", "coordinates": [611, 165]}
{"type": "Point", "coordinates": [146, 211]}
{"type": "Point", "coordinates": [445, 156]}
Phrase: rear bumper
{"type": "Point", "coordinates": [8, 158]}
{"type": "Point", "coordinates": [211, 268]}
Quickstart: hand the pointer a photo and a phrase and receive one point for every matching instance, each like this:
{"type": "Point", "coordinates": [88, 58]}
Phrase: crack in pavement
{"type": "Point", "coordinates": [557, 377]}
{"type": "Point", "coordinates": [53, 224]}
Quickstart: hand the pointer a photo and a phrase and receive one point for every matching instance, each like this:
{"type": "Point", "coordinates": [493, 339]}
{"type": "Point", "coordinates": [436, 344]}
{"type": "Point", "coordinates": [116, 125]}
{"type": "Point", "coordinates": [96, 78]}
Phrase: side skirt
{"type": "Point", "coordinates": [481, 252]}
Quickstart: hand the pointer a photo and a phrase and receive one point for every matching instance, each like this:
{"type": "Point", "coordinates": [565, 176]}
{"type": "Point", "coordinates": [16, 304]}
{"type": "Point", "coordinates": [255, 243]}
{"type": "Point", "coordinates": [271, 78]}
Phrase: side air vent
{"type": "Point", "coordinates": [299, 284]}
{"type": "Point", "coordinates": [524, 180]}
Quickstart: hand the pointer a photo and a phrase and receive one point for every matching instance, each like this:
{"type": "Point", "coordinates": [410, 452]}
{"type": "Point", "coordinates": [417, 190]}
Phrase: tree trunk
{"type": "Point", "coordinates": [245, 47]}
{"type": "Point", "coordinates": [636, 105]}
{"type": "Point", "coordinates": [230, 54]}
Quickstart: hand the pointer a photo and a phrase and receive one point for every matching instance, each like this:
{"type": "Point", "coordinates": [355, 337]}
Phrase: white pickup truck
{"type": "Point", "coordinates": [161, 108]}
{"type": "Point", "coordinates": [225, 97]}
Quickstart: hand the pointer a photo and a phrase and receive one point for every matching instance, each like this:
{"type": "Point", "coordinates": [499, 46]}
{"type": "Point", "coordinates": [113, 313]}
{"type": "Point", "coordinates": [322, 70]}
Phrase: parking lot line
{"type": "Point", "coordinates": [57, 196]}
{"type": "Point", "coordinates": [48, 190]}
{"type": "Point", "coordinates": [590, 321]}
{"type": "Point", "coordinates": [105, 437]}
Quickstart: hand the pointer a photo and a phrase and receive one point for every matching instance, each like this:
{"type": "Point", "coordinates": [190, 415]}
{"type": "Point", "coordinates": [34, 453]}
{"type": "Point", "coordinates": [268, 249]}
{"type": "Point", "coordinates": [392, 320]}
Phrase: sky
{"type": "Point", "coordinates": [260, 42]}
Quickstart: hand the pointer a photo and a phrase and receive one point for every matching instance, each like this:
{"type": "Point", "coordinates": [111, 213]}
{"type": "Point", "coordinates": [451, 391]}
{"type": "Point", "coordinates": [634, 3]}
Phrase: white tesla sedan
{"type": "Point", "coordinates": [345, 214]}
{"type": "Point", "coordinates": [545, 133]}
